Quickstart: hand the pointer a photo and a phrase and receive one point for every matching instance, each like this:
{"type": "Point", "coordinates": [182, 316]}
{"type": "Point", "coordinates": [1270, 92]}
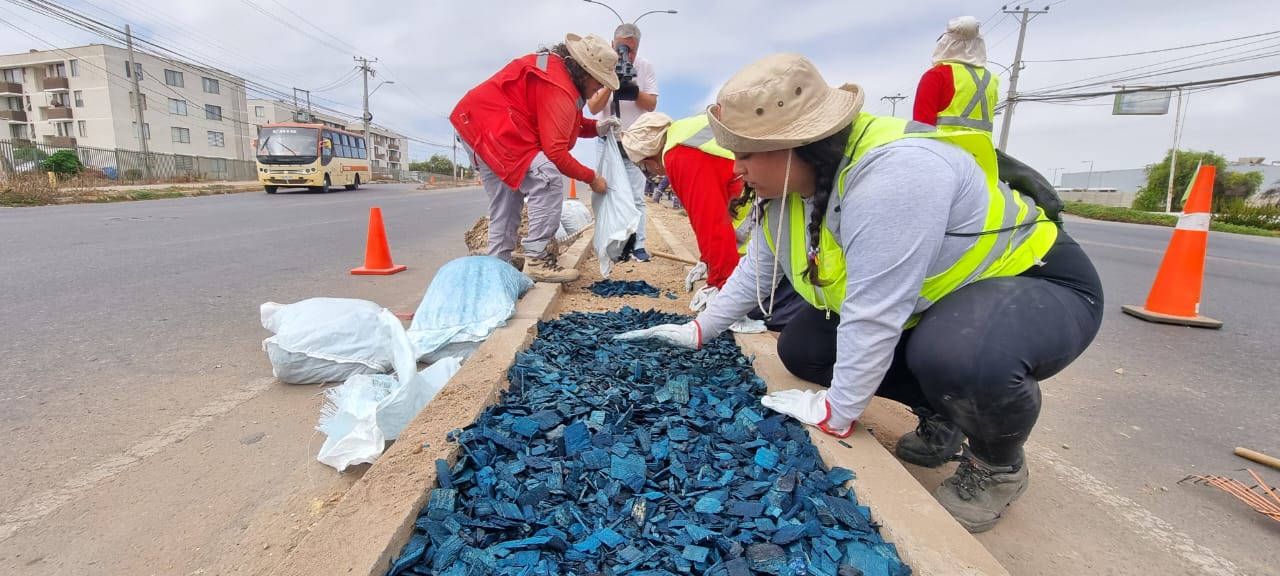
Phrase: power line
{"type": "Point", "coordinates": [1156, 51]}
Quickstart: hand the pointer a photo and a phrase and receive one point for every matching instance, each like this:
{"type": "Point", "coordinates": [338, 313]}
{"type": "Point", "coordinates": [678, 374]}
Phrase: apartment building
{"type": "Point", "coordinates": [83, 96]}
{"type": "Point", "coordinates": [389, 149]}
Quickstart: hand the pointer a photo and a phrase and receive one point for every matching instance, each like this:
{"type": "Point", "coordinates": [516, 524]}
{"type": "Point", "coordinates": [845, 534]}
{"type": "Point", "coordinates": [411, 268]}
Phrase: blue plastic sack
{"type": "Point", "coordinates": [467, 300]}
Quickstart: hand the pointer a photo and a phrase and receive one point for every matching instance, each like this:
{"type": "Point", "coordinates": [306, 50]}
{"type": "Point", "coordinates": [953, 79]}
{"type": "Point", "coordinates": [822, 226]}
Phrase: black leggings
{"type": "Point", "coordinates": [978, 355]}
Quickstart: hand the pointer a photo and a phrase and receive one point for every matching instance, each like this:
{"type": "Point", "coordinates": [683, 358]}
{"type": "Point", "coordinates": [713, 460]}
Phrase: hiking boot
{"type": "Point", "coordinates": [641, 255]}
{"type": "Point", "coordinates": [979, 493]}
{"type": "Point", "coordinates": [933, 443]}
{"type": "Point", "coordinates": [546, 269]}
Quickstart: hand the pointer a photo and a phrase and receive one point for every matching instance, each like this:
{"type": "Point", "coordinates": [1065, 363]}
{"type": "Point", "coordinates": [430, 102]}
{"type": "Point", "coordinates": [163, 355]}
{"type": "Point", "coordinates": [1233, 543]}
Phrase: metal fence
{"type": "Point", "coordinates": [19, 156]}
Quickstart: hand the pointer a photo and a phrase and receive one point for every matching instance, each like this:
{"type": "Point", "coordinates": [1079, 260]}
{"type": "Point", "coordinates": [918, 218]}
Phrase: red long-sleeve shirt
{"type": "Point", "coordinates": [560, 125]}
{"type": "Point", "coordinates": [705, 184]}
{"type": "Point", "coordinates": [933, 95]}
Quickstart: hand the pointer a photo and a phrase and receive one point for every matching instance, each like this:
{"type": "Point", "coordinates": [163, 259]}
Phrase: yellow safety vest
{"type": "Point", "coordinates": [742, 227]}
{"type": "Point", "coordinates": [972, 107]}
{"type": "Point", "coordinates": [1015, 234]}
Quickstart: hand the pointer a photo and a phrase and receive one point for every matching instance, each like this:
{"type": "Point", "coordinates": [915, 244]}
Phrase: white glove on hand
{"type": "Point", "coordinates": [698, 272]}
{"type": "Point", "coordinates": [604, 126]}
{"type": "Point", "coordinates": [809, 407]}
{"type": "Point", "coordinates": [703, 297]}
{"type": "Point", "coordinates": [687, 335]}
{"type": "Point", "coordinates": [749, 326]}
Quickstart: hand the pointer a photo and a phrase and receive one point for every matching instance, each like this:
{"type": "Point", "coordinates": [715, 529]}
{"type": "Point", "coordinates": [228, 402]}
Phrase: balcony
{"type": "Point", "coordinates": [10, 88]}
{"type": "Point", "coordinates": [395, 145]}
{"type": "Point", "coordinates": [13, 116]}
{"type": "Point", "coordinates": [55, 84]}
{"type": "Point", "coordinates": [394, 155]}
{"type": "Point", "coordinates": [60, 141]}
{"type": "Point", "coordinates": [379, 156]}
{"type": "Point", "coordinates": [56, 112]}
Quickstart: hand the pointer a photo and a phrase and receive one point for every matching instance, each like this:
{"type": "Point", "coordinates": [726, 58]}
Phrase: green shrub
{"type": "Point", "coordinates": [1240, 213]}
{"type": "Point", "coordinates": [62, 163]}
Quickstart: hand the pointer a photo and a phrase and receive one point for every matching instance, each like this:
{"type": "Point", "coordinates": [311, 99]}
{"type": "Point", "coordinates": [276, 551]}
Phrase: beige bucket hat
{"type": "Point", "coordinates": [780, 102]}
{"type": "Point", "coordinates": [645, 136]}
{"type": "Point", "coordinates": [595, 55]}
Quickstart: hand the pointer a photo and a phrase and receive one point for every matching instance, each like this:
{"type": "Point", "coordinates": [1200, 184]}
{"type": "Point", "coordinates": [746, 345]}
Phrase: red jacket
{"type": "Point", "coordinates": [933, 95]}
{"type": "Point", "coordinates": [524, 109]}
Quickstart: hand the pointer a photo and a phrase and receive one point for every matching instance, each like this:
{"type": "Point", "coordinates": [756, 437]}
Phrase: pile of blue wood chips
{"type": "Point", "coordinates": [606, 457]}
{"type": "Point", "coordinates": [616, 288]}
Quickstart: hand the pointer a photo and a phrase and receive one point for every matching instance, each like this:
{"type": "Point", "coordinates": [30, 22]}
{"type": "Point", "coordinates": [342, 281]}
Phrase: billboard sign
{"type": "Point", "coordinates": [1147, 102]}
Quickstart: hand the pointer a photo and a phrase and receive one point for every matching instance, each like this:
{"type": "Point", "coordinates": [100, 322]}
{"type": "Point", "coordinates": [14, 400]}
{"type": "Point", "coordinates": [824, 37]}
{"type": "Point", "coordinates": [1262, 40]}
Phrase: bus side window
{"type": "Point", "coordinates": [326, 148]}
{"type": "Point", "coordinates": [360, 143]}
{"type": "Point", "coordinates": [346, 145]}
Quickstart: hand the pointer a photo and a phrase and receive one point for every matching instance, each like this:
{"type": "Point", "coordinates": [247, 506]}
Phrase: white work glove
{"type": "Point", "coordinates": [809, 407]}
{"type": "Point", "coordinates": [748, 326]}
{"type": "Point", "coordinates": [687, 335]}
{"type": "Point", "coordinates": [697, 273]}
{"type": "Point", "coordinates": [703, 297]}
{"type": "Point", "coordinates": [604, 126]}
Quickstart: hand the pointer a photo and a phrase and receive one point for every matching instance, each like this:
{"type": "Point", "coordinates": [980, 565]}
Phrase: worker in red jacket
{"type": "Point", "coordinates": [958, 92]}
{"type": "Point", "coordinates": [521, 125]}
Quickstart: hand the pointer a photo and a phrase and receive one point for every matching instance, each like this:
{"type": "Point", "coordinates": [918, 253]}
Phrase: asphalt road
{"type": "Point", "coordinates": [1149, 404]}
{"type": "Point", "coordinates": [143, 432]}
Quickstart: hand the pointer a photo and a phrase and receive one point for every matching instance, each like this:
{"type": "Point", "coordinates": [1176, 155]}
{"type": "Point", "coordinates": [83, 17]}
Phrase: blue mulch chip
{"type": "Point", "coordinates": [616, 288]}
{"type": "Point", "coordinates": [604, 457]}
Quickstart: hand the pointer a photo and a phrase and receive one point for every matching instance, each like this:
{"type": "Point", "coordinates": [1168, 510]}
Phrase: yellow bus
{"type": "Point", "coordinates": [314, 156]}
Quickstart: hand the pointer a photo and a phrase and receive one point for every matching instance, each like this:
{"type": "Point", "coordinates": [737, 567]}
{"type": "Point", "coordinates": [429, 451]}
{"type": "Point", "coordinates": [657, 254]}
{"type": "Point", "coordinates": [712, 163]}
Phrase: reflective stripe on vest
{"type": "Point", "coordinates": [694, 132]}
{"type": "Point", "coordinates": [1015, 234]}
{"type": "Point", "coordinates": [976, 93]}
{"type": "Point", "coordinates": [541, 63]}
{"type": "Point", "coordinates": [742, 227]}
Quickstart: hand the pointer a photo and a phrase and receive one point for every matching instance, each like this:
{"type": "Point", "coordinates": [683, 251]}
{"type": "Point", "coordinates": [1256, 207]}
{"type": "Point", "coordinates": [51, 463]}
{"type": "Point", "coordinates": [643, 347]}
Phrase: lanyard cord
{"type": "Point", "coordinates": [777, 242]}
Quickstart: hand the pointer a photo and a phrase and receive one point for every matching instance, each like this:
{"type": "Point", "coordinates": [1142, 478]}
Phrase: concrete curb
{"type": "Point", "coordinates": [374, 520]}
{"type": "Point", "coordinates": [927, 537]}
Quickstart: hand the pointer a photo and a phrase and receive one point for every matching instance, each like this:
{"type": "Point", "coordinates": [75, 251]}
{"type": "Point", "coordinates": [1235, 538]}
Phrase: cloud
{"type": "Point", "coordinates": [436, 51]}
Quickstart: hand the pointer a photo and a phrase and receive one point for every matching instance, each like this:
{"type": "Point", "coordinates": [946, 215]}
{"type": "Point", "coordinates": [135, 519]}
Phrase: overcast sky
{"type": "Point", "coordinates": [435, 51]}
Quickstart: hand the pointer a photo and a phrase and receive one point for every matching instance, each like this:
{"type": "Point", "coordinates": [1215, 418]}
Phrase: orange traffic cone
{"type": "Point", "coordinates": [573, 189]}
{"type": "Point", "coordinates": [377, 256]}
{"type": "Point", "coordinates": [1175, 295]}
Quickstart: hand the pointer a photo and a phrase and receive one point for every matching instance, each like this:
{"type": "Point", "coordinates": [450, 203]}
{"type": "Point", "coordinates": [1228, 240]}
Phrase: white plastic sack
{"type": "Point", "coordinates": [360, 415]}
{"type": "Point", "coordinates": [617, 217]}
{"type": "Point", "coordinates": [575, 216]}
{"type": "Point", "coordinates": [467, 300]}
{"type": "Point", "coordinates": [324, 340]}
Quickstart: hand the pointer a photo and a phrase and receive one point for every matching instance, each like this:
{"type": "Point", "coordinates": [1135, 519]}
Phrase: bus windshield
{"type": "Point", "coordinates": [287, 145]}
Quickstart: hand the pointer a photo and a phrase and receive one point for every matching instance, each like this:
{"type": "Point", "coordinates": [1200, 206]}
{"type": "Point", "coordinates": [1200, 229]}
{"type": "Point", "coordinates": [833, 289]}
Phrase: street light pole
{"type": "Point", "coordinates": [1173, 154]}
{"type": "Point", "coordinates": [622, 20]}
{"type": "Point", "coordinates": [1089, 181]}
{"type": "Point", "coordinates": [615, 12]}
{"type": "Point", "coordinates": [652, 12]}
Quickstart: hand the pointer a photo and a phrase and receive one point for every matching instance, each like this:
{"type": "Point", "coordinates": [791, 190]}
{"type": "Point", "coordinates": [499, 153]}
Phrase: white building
{"type": "Point", "coordinates": [83, 96]}
{"type": "Point", "coordinates": [388, 148]}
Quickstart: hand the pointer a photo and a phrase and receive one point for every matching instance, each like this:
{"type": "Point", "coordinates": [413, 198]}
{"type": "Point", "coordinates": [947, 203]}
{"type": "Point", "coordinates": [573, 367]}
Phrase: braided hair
{"type": "Point", "coordinates": [747, 196]}
{"type": "Point", "coordinates": [576, 72]}
{"type": "Point", "coordinates": [824, 156]}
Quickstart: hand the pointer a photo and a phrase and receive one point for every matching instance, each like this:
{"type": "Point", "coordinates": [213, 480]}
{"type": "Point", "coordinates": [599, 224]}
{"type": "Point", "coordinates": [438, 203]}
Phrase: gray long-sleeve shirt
{"type": "Point", "coordinates": [900, 201]}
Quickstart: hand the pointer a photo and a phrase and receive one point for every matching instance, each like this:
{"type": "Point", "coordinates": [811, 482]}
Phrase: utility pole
{"type": "Point", "coordinates": [894, 101]}
{"type": "Point", "coordinates": [366, 72]}
{"type": "Point", "coordinates": [455, 155]}
{"type": "Point", "coordinates": [1025, 15]}
{"type": "Point", "coordinates": [137, 105]}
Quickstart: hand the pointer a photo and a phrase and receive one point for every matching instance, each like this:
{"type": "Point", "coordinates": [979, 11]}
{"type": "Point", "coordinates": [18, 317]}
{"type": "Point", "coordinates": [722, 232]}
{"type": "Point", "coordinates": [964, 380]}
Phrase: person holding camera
{"type": "Point", "coordinates": [521, 124]}
{"type": "Point", "coordinates": [637, 93]}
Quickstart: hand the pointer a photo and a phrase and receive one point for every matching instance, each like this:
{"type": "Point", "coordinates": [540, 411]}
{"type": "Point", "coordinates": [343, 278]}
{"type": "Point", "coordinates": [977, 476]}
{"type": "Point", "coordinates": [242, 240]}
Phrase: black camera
{"type": "Point", "coordinates": [626, 71]}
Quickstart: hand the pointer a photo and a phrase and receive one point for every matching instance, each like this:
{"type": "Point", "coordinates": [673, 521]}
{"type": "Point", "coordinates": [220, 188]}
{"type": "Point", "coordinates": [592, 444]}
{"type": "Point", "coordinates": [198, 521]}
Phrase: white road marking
{"type": "Point", "coordinates": [1139, 519]}
{"type": "Point", "coordinates": [36, 507]}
